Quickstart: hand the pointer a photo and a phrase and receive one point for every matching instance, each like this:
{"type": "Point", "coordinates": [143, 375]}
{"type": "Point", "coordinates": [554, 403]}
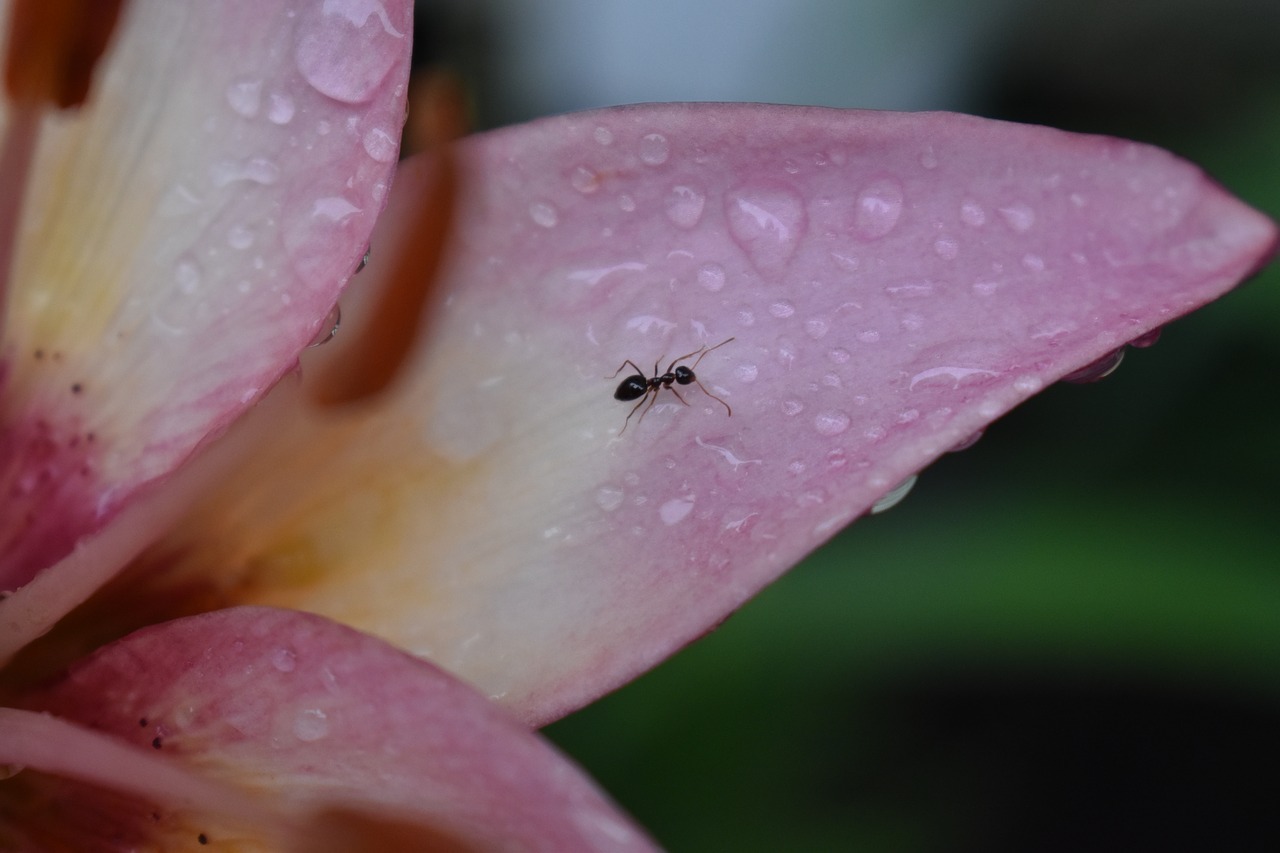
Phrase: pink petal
{"type": "Point", "coordinates": [185, 236]}
{"type": "Point", "coordinates": [316, 719]}
{"type": "Point", "coordinates": [892, 283]}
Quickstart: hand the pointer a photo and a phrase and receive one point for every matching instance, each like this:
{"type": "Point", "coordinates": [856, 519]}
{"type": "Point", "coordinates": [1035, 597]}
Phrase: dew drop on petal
{"type": "Point", "coordinates": [879, 207]}
{"type": "Point", "coordinates": [342, 47]}
{"type": "Point", "coordinates": [328, 327]}
{"type": "Point", "coordinates": [684, 206]}
{"type": "Point", "coordinates": [1144, 341]}
{"type": "Point", "coordinates": [711, 276]}
{"type": "Point", "coordinates": [971, 213]}
{"type": "Point", "coordinates": [675, 510]}
{"type": "Point", "coordinates": [654, 149]}
{"type": "Point", "coordinates": [602, 135]}
{"type": "Point", "coordinates": [544, 213]}
{"type": "Point", "coordinates": [767, 222]}
{"type": "Point", "coordinates": [831, 422]}
{"type": "Point", "coordinates": [1019, 217]}
{"type": "Point", "coordinates": [1100, 369]}
{"type": "Point", "coordinates": [284, 659]}
{"type": "Point", "coordinates": [310, 724]}
{"type": "Point", "coordinates": [609, 498]}
{"type": "Point", "coordinates": [894, 496]}
{"type": "Point", "coordinates": [245, 97]}
{"type": "Point", "coordinates": [381, 145]}
{"type": "Point", "coordinates": [280, 109]}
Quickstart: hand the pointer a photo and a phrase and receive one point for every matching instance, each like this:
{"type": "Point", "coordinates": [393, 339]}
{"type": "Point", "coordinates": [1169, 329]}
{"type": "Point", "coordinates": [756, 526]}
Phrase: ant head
{"type": "Point", "coordinates": [684, 375]}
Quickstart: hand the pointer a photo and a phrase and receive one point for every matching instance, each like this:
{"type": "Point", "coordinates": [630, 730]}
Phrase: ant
{"type": "Point", "coordinates": [637, 385]}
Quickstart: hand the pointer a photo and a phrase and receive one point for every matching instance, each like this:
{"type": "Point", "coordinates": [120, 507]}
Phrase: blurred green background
{"type": "Point", "coordinates": [1068, 637]}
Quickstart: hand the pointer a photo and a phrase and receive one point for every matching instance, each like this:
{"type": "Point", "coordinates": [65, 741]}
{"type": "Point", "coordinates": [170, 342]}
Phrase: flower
{"type": "Point", "coordinates": [861, 291]}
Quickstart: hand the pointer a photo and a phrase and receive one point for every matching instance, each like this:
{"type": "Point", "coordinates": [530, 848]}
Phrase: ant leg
{"type": "Point", "coordinates": [674, 362]}
{"type": "Point", "coordinates": [624, 364]}
{"type": "Point", "coordinates": [652, 400]}
{"type": "Point", "coordinates": [712, 396]}
{"type": "Point", "coordinates": [632, 412]}
{"type": "Point", "coordinates": [677, 393]}
{"type": "Point", "coordinates": [703, 355]}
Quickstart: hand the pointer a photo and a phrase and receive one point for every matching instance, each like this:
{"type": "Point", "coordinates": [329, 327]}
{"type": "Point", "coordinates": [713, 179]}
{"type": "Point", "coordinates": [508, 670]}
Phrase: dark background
{"type": "Point", "coordinates": [1068, 637]}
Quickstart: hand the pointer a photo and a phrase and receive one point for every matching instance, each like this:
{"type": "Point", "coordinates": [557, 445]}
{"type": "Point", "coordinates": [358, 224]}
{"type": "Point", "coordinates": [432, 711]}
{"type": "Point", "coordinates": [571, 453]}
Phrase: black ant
{"type": "Point", "coordinates": [637, 385]}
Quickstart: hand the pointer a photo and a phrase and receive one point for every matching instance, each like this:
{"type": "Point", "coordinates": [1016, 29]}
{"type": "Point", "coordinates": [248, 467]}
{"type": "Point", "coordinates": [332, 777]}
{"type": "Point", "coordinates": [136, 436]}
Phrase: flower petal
{"type": "Point", "coordinates": [892, 284]}
{"type": "Point", "coordinates": [318, 718]}
{"type": "Point", "coordinates": [184, 237]}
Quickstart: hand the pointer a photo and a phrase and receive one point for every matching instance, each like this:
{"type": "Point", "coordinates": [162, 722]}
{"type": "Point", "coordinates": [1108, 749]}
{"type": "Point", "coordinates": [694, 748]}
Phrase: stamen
{"type": "Point", "coordinates": [16, 152]}
{"type": "Point", "coordinates": [385, 341]}
{"type": "Point", "coordinates": [54, 46]}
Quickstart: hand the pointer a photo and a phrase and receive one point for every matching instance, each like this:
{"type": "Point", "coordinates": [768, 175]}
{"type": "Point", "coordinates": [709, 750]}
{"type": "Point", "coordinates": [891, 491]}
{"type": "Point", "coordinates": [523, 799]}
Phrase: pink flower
{"type": "Point", "coordinates": [857, 293]}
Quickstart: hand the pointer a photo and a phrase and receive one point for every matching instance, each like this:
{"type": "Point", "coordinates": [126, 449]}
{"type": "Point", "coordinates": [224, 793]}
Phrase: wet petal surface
{"type": "Point", "coordinates": [336, 735]}
{"type": "Point", "coordinates": [892, 284]}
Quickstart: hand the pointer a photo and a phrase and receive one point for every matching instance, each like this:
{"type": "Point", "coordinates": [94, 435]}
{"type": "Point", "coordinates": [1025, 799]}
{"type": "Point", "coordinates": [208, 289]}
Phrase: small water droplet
{"type": "Point", "coordinates": [965, 444]}
{"type": "Point", "coordinates": [782, 309]}
{"type": "Point", "coordinates": [585, 180]}
{"type": "Point", "coordinates": [609, 498]}
{"type": "Point", "coordinates": [879, 207]}
{"type": "Point", "coordinates": [1020, 217]}
{"type": "Point", "coordinates": [767, 222]}
{"type": "Point", "coordinates": [280, 109]}
{"type": "Point", "coordinates": [1100, 369]}
{"type": "Point", "coordinates": [346, 48]}
{"type": "Point", "coordinates": [311, 724]}
{"type": "Point", "coordinates": [1032, 262]}
{"type": "Point", "coordinates": [747, 372]}
{"type": "Point", "coordinates": [8, 771]}
{"type": "Point", "coordinates": [831, 422]}
{"type": "Point", "coordinates": [245, 97]}
{"type": "Point", "coordinates": [894, 496]}
{"type": "Point", "coordinates": [544, 213]}
{"type": "Point", "coordinates": [1149, 339]}
{"type": "Point", "coordinates": [928, 158]}
{"type": "Point", "coordinates": [654, 149]}
{"type": "Point", "coordinates": [816, 327]}
{"type": "Point", "coordinates": [839, 355]}
{"type": "Point", "coordinates": [239, 237]}
{"type": "Point", "coordinates": [602, 135]}
{"type": "Point", "coordinates": [284, 659]}
{"type": "Point", "coordinates": [792, 407]}
{"type": "Point", "coordinates": [869, 336]}
{"type": "Point", "coordinates": [381, 145]}
{"type": "Point", "coordinates": [186, 274]}
{"type": "Point", "coordinates": [258, 170]}
{"type": "Point", "coordinates": [971, 213]}
{"type": "Point", "coordinates": [626, 203]}
{"type": "Point", "coordinates": [985, 288]}
{"type": "Point", "coordinates": [684, 206]}
{"type": "Point", "coordinates": [711, 276]}
{"type": "Point", "coordinates": [946, 248]}
{"type": "Point", "coordinates": [328, 327]}
{"type": "Point", "coordinates": [676, 510]}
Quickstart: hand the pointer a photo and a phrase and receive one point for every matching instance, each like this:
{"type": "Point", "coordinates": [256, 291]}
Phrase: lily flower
{"type": "Point", "coordinates": [853, 294]}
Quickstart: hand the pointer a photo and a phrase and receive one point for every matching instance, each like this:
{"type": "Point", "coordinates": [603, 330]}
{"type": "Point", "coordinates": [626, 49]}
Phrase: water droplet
{"type": "Point", "coordinates": [792, 407]}
{"type": "Point", "coordinates": [676, 510]}
{"type": "Point", "coordinates": [747, 372]}
{"type": "Point", "coordinates": [239, 237]}
{"type": "Point", "coordinates": [711, 276]}
{"type": "Point", "coordinates": [869, 336]}
{"type": "Point", "coordinates": [1144, 341]}
{"type": "Point", "coordinates": [684, 206]}
{"type": "Point", "coordinates": [8, 771]}
{"type": "Point", "coordinates": [839, 355]}
{"type": "Point", "coordinates": [965, 444]}
{"type": "Point", "coordinates": [816, 327]}
{"type": "Point", "coordinates": [654, 149]}
{"type": "Point", "coordinates": [971, 213]}
{"type": "Point", "coordinates": [946, 248]}
{"type": "Point", "coordinates": [767, 222]}
{"type": "Point", "coordinates": [258, 170]}
{"type": "Point", "coordinates": [186, 274]}
{"type": "Point", "coordinates": [782, 309]}
{"type": "Point", "coordinates": [284, 659]}
{"type": "Point", "coordinates": [602, 135]}
{"type": "Point", "coordinates": [585, 180]}
{"type": "Point", "coordinates": [831, 422]}
{"type": "Point", "coordinates": [345, 48]}
{"type": "Point", "coordinates": [544, 213]}
{"type": "Point", "coordinates": [928, 158]}
{"type": "Point", "coordinates": [1100, 369]}
{"type": "Point", "coordinates": [626, 203]}
{"type": "Point", "coordinates": [311, 724]}
{"type": "Point", "coordinates": [609, 498]}
{"type": "Point", "coordinates": [280, 109]}
{"type": "Point", "coordinates": [985, 288]}
{"type": "Point", "coordinates": [879, 207]}
{"type": "Point", "coordinates": [328, 327]}
{"type": "Point", "coordinates": [1032, 262]}
{"type": "Point", "coordinates": [894, 496]}
{"type": "Point", "coordinates": [1019, 217]}
{"type": "Point", "coordinates": [381, 145]}
{"type": "Point", "coordinates": [245, 97]}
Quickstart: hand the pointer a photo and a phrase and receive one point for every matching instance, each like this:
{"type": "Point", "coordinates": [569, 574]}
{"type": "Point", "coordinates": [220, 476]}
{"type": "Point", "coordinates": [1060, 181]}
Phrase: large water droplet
{"type": "Point", "coordinates": [654, 149]}
{"type": "Point", "coordinates": [1100, 369]}
{"type": "Point", "coordinates": [684, 206]}
{"type": "Point", "coordinates": [767, 222]}
{"type": "Point", "coordinates": [328, 327]}
{"type": "Point", "coordinates": [544, 213]}
{"type": "Point", "coordinates": [894, 496]}
{"type": "Point", "coordinates": [311, 724]}
{"type": "Point", "coordinates": [245, 97]}
{"type": "Point", "coordinates": [879, 207]}
{"type": "Point", "coordinates": [280, 109]}
{"type": "Point", "coordinates": [381, 145]}
{"type": "Point", "coordinates": [344, 47]}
